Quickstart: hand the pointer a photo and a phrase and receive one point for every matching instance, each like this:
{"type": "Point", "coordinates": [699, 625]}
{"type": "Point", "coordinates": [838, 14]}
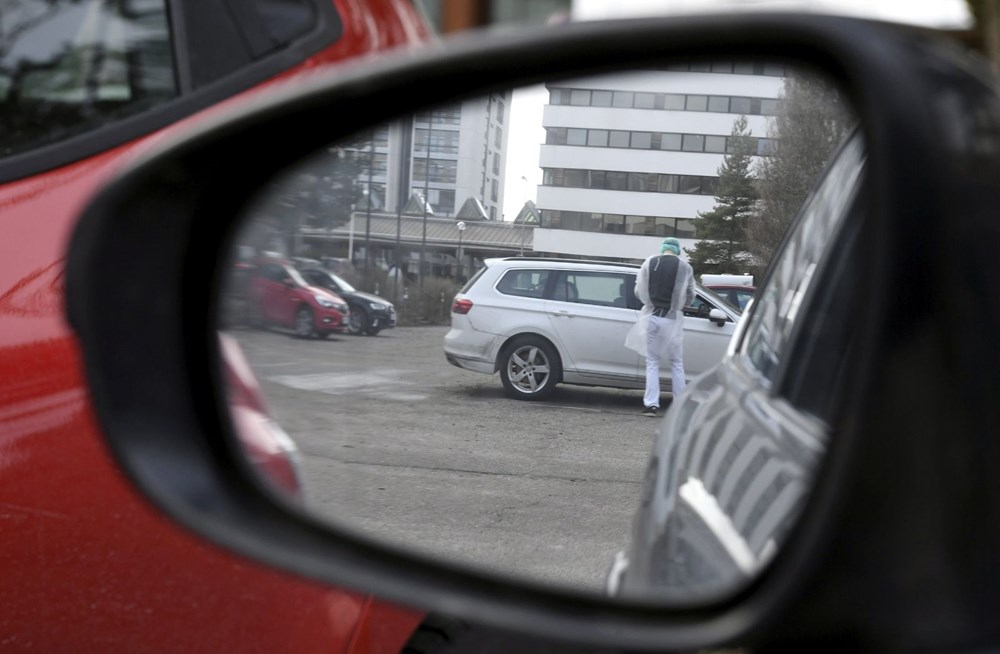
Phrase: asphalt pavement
{"type": "Point", "coordinates": [401, 446]}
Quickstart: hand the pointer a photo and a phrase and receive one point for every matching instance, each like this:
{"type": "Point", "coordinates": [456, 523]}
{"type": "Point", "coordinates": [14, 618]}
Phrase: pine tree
{"type": "Point", "coordinates": [722, 231]}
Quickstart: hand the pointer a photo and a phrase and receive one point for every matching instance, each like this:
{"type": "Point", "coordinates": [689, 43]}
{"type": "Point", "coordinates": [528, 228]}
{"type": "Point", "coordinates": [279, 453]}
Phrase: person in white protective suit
{"type": "Point", "coordinates": [665, 285]}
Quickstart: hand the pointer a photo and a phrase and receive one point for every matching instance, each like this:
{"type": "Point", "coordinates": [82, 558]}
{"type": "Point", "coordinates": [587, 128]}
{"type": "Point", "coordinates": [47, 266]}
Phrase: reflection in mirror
{"type": "Point", "coordinates": [392, 300]}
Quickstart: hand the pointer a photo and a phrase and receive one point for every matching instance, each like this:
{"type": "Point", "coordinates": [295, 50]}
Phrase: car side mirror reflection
{"type": "Point", "coordinates": [716, 316]}
{"type": "Point", "coordinates": [548, 200]}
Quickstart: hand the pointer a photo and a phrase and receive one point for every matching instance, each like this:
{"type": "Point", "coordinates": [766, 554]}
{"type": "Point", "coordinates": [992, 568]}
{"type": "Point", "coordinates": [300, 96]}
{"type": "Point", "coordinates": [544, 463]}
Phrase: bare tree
{"type": "Point", "coordinates": [812, 120]}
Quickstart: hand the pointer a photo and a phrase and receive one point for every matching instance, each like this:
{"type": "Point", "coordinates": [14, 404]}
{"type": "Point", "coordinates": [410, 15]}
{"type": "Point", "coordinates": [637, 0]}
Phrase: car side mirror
{"type": "Point", "coordinates": [160, 396]}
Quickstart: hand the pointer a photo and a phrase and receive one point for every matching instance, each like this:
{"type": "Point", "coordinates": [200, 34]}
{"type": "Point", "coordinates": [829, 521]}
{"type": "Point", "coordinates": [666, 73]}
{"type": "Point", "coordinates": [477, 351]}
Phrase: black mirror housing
{"type": "Point", "coordinates": [157, 389]}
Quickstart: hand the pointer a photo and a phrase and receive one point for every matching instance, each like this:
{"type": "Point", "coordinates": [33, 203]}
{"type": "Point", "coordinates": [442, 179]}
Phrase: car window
{"type": "Point", "coordinates": [605, 289]}
{"type": "Point", "coordinates": [340, 282]}
{"type": "Point", "coordinates": [701, 305]}
{"type": "Point", "coordinates": [222, 42]}
{"type": "Point", "coordinates": [472, 280]}
{"type": "Point", "coordinates": [778, 304]}
{"type": "Point", "coordinates": [525, 283]}
{"type": "Point", "coordinates": [70, 67]}
{"type": "Point", "coordinates": [272, 272]}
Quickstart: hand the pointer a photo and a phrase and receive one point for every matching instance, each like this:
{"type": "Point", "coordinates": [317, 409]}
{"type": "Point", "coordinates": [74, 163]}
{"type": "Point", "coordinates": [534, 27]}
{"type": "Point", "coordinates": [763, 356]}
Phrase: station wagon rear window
{"type": "Point", "coordinates": [524, 283]}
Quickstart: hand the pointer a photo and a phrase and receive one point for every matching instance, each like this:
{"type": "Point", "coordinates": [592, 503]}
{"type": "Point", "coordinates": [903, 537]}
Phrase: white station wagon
{"type": "Point", "coordinates": [541, 322]}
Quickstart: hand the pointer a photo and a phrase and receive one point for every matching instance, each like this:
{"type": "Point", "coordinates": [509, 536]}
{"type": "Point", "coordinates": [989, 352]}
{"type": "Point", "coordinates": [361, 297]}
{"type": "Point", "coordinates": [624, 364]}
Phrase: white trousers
{"type": "Point", "coordinates": [657, 329]}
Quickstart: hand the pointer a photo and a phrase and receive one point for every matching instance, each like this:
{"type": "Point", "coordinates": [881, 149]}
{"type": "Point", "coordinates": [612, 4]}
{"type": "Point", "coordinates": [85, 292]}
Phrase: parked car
{"type": "Point", "coordinates": [86, 564]}
{"type": "Point", "coordinates": [279, 295]}
{"type": "Point", "coordinates": [738, 296]}
{"type": "Point", "coordinates": [677, 548]}
{"type": "Point", "coordinates": [541, 322]}
{"type": "Point", "coordinates": [370, 313]}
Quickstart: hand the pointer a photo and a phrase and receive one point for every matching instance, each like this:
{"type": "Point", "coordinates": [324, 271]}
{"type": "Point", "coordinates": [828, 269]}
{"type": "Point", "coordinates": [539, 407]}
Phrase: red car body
{"type": "Point", "coordinates": [86, 565]}
{"type": "Point", "coordinates": [280, 296]}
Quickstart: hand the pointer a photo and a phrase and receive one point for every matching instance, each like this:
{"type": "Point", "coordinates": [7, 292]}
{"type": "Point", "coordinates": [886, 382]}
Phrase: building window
{"type": "Point", "coordinates": [715, 144]}
{"type": "Point", "coordinates": [576, 136]}
{"type": "Point", "coordinates": [500, 111]}
{"type": "Point", "coordinates": [441, 116]}
{"type": "Point", "coordinates": [767, 147]}
{"type": "Point", "coordinates": [613, 180]}
{"type": "Point", "coordinates": [601, 98]}
{"type": "Point", "coordinates": [379, 167]}
{"type": "Point", "coordinates": [711, 143]}
{"type": "Point", "coordinates": [617, 223]}
{"type": "Point", "coordinates": [494, 189]}
{"type": "Point", "coordinates": [496, 163]}
{"type": "Point", "coordinates": [381, 136]}
{"type": "Point", "coordinates": [696, 103]}
{"type": "Point", "coordinates": [674, 102]}
{"type": "Point", "coordinates": [622, 99]}
{"type": "Point", "coordinates": [693, 143]}
{"type": "Point", "coordinates": [579, 98]}
{"type": "Point", "coordinates": [442, 141]}
{"type": "Point", "coordinates": [442, 200]}
{"type": "Point", "coordinates": [498, 139]}
{"type": "Point", "coordinates": [440, 170]}
{"type": "Point", "coordinates": [618, 139]}
{"type": "Point", "coordinates": [741, 105]}
{"type": "Point", "coordinates": [597, 138]}
{"type": "Point", "coordinates": [670, 141]}
{"type": "Point", "coordinates": [666, 101]}
{"type": "Point", "coordinates": [642, 140]}
{"type": "Point", "coordinates": [718, 104]}
{"type": "Point", "coordinates": [645, 100]}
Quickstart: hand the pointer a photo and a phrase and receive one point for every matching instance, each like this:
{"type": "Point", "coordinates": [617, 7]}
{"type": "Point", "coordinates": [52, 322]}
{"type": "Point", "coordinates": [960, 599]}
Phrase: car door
{"type": "Point", "coordinates": [273, 294]}
{"type": "Point", "coordinates": [590, 313]}
{"type": "Point", "coordinates": [705, 340]}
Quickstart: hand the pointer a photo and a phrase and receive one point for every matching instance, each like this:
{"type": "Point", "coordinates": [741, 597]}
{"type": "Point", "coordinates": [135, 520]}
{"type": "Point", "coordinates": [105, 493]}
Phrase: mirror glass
{"type": "Point", "coordinates": [424, 325]}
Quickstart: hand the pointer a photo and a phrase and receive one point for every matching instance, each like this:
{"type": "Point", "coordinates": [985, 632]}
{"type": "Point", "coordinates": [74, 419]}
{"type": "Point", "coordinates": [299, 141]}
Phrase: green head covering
{"type": "Point", "coordinates": [671, 244]}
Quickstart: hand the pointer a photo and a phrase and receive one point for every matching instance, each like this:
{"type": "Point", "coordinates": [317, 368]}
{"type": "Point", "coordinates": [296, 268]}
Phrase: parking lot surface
{"type": "Point", "coordinates": [402, 446]}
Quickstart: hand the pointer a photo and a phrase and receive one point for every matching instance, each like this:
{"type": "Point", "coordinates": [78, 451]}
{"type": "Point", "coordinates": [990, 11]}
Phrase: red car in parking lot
{"type": "Point", "coordinates": [86, 565]}
{"type": "Point", "coordinates": [279, 295]}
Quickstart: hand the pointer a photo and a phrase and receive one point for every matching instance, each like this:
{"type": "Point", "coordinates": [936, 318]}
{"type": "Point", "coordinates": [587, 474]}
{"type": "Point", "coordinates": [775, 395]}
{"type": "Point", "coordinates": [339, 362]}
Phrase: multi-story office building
{"type": "Point", "coordinates": [631, 158]}
{"type": "Point", "coordinates": [447, 155]}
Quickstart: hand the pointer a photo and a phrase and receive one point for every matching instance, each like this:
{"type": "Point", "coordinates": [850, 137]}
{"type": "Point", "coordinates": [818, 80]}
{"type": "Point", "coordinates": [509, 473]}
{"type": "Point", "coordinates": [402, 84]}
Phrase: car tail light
{"type": "Point", "coordinates": [461, 306]}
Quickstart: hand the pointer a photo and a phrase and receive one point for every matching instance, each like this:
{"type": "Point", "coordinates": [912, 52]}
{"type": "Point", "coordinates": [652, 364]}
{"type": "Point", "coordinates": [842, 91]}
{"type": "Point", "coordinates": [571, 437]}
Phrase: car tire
{"type": "Point", "coordinates": [358, 321]}
{"type": "Point", "coordinates": [304, 322]}
{"type": "Point", "coordinates": [529, 368]}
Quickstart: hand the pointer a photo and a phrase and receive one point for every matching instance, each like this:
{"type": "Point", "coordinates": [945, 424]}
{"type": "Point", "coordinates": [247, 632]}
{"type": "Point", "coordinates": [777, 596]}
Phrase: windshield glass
{"type": "Point", "coordinates": [296, 276]}
{"type": "Point", "coordinates": [342, 283]}
{"type": "Point", "coordinates": [718, 299]}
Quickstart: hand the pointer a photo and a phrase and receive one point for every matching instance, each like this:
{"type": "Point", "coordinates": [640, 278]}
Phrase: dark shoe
{"type": "Point", "coordinates": [649, 411]}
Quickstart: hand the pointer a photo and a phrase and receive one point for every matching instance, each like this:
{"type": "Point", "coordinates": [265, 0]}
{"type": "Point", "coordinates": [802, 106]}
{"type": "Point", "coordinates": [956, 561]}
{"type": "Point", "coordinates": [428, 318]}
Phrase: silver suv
{"type": "Point", "coordinates": [540, 322]}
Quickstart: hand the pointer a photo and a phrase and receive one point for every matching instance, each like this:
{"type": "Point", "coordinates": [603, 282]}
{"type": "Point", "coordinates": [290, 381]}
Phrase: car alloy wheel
{"type": "Point", "coordinates": [304, 323]}
{"type": "Point", "coordinates": [357, 323]}
{"type": "Point", "coordinates": [530, 368]}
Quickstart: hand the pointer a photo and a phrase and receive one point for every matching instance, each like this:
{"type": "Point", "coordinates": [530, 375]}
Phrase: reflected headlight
{"type": "Point", "coordinates": [378, 306]}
